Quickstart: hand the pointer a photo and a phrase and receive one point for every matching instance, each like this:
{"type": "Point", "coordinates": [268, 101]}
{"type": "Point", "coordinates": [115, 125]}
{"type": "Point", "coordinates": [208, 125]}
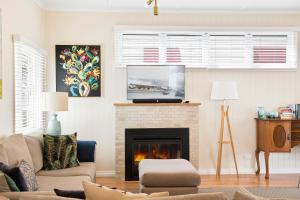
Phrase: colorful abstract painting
{"type": "Point", "coordinates": [78, 70]}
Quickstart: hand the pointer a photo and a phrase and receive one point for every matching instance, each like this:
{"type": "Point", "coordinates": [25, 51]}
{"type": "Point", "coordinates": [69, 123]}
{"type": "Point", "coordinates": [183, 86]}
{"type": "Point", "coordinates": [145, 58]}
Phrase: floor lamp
{"type": "Point", "coordinates": [223, 91]}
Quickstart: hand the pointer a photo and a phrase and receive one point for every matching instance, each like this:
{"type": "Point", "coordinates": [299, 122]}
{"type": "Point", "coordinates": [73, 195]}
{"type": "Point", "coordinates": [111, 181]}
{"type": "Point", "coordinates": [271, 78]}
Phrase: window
{"type": "Point", "coordinates": [30, 82]}
{"type": "Point", "coordinates": [216, 49]}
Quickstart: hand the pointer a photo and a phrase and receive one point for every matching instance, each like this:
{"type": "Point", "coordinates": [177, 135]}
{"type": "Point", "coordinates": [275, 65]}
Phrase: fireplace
{"type": "Point", "coordinates": [153, 143]}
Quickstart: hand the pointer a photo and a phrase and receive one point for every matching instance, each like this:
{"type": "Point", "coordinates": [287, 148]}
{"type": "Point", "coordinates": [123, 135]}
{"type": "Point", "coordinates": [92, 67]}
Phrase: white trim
{"type": "Point", "coordinates": [249, 171]}
{"type": "Point", "coordinates": [105, 173]}
{"type": "Point", "coordinates": [204, 28]}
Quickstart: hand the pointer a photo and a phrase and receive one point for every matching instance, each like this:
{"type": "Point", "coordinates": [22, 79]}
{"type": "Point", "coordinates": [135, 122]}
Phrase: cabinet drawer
{"type": "Point", "coordinates": [296, 126]}
{"type": "Point", "coordinates": [296, 136]}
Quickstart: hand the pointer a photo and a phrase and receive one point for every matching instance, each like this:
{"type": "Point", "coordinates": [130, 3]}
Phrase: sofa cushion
{"type": "Point", "coordinates": [84, 169]}
{"type": "Point", "coordinates": [36, 151]}
{"type": "Point", "coordinates": [3, 154]}
{"type": "Point", "coordinates": [203, 196]}
{"type": "Point", "coordinates": [168, 173]}
{"type": "Point", "coordinates": [172, 190]}
{"type": "Point", "coordinates": [29, 175]}
{"type": "Point", "coordinates": [17, 150]}
{"type": "Point", "coordinates": [11, 184]}
{"type": "Point", "coordinates": [16, 175]}
{"type": "Point", "coordinates": [95, 192]}
{"type": "Point", "coordinates": [18, 195]}
{"type": "Point", "coordinates": [48, 183]}
{"type": "Point", "coordinates": [42, 197]}
{"type": "Point", "coordinates": [243, 194]}
{"type": "Point", "coordinates": [60, 151]}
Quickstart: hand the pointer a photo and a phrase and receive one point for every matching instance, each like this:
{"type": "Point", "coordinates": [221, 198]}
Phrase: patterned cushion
{"type": "Point", "coordinates": [29, 175]}
{"type": "Point", "coordinates": [60, 151]}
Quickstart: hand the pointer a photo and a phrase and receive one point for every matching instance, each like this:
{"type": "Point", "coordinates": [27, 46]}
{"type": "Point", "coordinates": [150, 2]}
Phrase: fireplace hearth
{"type": "Point", "coordinates": [153, 143]}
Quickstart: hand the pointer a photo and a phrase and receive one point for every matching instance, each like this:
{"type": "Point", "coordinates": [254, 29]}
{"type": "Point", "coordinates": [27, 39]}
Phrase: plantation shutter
{"type": "Point", "coordinates": [274, 49]}
{"type": "Point", "coordinates": [227, 50]}
{"type": "Point", "coordinates": [30, 82]}
{"type": "Point", "coordinates": [215, 49]}
{"type": "Point", "coordinates": [139, 48]}
{"type": "Point", "coordinates": [183, 48]}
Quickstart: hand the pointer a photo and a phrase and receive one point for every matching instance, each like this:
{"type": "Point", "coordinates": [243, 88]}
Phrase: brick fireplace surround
{"type": "Point", "coordinates": [168, 115]}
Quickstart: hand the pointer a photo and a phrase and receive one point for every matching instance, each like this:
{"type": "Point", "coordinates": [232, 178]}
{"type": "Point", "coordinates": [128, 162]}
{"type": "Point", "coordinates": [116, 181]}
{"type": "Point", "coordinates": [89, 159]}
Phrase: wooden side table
{"type": "Point", "coordinates": [275, 135]}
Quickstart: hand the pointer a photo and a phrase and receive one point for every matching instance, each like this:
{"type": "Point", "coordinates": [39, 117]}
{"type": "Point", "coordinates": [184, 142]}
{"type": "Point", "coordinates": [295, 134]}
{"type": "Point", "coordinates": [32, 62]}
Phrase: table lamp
{"type": "Point", "coordinates": [223, 91]}
{"type": "Point", "coordinates": [55, 101]}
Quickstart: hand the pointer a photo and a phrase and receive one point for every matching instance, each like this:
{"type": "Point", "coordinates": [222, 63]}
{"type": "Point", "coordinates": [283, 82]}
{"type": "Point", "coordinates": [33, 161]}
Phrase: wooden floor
{"type": "Point", "coordinates": [209, 181]}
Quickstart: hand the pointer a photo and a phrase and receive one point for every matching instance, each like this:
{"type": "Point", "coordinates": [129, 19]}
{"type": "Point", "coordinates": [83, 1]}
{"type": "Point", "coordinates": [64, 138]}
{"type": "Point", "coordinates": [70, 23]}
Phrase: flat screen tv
{"type": "Point", "coordinates": [156, 82]}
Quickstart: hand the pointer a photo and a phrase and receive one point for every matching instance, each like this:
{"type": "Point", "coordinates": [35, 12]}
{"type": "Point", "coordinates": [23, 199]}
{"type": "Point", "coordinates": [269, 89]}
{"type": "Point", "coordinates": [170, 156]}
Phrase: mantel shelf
{"type": "Point", "coordinates": [156, 104]}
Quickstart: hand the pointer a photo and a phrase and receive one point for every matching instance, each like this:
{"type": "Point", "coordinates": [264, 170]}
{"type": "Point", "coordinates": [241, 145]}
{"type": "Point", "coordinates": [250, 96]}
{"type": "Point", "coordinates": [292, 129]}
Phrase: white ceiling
{"type": "Point", "coordinates": [176, 5]}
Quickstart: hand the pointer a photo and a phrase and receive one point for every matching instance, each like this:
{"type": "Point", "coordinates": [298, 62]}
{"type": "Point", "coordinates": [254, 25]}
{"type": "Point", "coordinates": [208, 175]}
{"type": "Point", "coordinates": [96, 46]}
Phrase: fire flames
{"type": "Point", "coordinates": [138, 156]}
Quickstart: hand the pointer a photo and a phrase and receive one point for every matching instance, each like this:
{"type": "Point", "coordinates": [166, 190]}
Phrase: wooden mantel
{"type": "Point", "coordinates": [156, 104]}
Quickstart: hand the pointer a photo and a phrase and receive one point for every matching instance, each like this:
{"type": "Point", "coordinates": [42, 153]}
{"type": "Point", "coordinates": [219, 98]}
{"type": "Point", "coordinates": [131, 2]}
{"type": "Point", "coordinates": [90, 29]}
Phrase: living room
{"type": "Point", "coordinates": [261, 87]}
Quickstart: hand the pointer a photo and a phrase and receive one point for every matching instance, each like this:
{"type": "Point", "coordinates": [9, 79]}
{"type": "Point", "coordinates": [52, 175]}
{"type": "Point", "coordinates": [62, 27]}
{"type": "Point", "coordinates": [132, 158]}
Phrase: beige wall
{"type": "Point", "coordinates": [93, 118]}
{"type": "Point", "coordinates": [27, 19]}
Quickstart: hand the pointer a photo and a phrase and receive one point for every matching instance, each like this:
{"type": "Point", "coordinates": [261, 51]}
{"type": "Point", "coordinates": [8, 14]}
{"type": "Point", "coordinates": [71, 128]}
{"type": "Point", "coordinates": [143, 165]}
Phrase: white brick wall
{"type": "Point", "coordinates": [185, 116]}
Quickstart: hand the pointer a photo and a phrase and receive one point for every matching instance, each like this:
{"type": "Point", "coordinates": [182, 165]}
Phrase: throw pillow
{"type": "Point", "coordinates": [243, 194]}
{"type": "Point", "coordinates": [95, 192]}
{"type": "Point", "coordinates": [60, 151]}
{"type": "Point", "coordinates": [76, 194]}
{"type": "Point", "coordinates": [16, 175]}
{"type": "Point", "coordinates": [29, 175]}
{"type": "Point", "coordinates": [12, 185]}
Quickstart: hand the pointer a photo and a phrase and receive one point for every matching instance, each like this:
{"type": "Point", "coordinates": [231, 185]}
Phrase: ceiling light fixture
{"type": "Point", "coordinates": [155, 8]}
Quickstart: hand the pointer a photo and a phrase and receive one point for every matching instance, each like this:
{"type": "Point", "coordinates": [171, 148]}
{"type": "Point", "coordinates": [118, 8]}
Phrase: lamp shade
{"type": "Point", "coordinates": [224, 90]}
{"type": "Point", "coordinates": [56, 101]}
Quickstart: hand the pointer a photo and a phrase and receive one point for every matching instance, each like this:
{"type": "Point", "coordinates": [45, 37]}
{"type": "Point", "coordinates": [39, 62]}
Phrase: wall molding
{"type": "Point", "coordinates": [105, 173]}
{"type": "Point", "coordinates": [249, 171]}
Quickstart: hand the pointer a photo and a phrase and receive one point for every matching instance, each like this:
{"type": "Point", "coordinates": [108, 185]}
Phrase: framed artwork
{"type": "Point", "coordinates": [78, 70]}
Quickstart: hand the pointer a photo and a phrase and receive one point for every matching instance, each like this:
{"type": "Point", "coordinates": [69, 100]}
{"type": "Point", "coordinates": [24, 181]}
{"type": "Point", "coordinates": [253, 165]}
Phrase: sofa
{"type": "Point", "coordinates": [18, 147]}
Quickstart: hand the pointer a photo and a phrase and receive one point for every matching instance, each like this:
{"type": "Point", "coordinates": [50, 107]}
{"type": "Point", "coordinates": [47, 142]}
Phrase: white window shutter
{"type": "Point", "coordinates": [227, 50]}
{"type": "Point", "coordinates": [30, 82]}
{"type": "Point", "coordinates": [138, 48]}
{"type": "Point", "coordinates": [184, 49]}
{"type": "Point", "coordinates": [217, 49]}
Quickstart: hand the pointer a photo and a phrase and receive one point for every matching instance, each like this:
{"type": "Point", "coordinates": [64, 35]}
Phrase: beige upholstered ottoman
{"type": "Point", "coordinates": [177, 176]}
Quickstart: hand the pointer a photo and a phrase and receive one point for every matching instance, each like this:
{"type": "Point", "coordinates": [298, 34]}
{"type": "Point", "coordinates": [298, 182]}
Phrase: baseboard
{"type": "Point", "coordinates": [249, 171]}
{"type": "Point", "coordinates": [226, 171]}
{"type": "Point", "coordinates": [105, 173]}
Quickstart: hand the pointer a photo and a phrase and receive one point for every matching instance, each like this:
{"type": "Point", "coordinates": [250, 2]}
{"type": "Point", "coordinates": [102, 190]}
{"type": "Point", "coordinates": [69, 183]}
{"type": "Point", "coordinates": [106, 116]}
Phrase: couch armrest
{"type": "Point", "coordinates": [86, 151]}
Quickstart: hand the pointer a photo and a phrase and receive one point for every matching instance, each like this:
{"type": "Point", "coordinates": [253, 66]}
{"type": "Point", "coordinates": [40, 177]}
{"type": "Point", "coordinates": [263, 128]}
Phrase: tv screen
{"type": "Point", "coordinates": [155, 82]}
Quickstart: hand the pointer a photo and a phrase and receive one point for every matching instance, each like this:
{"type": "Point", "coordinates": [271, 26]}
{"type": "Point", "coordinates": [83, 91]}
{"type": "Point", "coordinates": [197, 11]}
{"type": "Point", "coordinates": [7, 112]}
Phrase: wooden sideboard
{"type": "Point", "coordinates": [275, 135]}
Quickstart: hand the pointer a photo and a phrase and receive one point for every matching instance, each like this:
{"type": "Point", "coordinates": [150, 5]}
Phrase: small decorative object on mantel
{"type": "Point", "coordinates": [78, 70]}
{"type": "Point", "coordinates": [55, 101]}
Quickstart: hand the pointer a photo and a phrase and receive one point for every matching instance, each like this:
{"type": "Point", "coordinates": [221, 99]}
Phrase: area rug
{"type": "Point", "coordinates": [271, 192]}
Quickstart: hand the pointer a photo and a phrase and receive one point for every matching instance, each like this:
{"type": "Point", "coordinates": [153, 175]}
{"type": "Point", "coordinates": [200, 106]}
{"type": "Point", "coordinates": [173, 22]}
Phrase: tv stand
{"type": "Point", "coordinates": [157, 101]}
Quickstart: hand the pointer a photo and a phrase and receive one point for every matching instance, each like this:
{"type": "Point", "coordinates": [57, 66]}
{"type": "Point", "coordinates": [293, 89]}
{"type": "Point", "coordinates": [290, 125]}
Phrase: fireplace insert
{"type": "Point", "coordinates": [153, 143]}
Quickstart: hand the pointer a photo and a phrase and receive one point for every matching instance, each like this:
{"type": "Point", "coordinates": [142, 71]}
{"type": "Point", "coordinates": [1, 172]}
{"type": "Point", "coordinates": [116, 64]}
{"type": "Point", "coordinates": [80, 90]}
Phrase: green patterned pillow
{"type": "Point", "coordinates": [11, 184]}
{"type": "Point", "coordinates": [60, 151]}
